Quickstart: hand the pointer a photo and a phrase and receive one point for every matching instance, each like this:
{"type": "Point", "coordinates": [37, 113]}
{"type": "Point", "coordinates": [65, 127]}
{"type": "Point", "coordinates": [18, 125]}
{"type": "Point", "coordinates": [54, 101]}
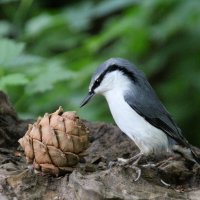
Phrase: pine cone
{"type": "Point", "coordinates": [54, 142]}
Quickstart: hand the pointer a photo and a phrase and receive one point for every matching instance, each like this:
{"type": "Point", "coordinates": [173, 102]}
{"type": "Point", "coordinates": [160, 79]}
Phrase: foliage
{"type": "Point", "coordinates": [49, 49]}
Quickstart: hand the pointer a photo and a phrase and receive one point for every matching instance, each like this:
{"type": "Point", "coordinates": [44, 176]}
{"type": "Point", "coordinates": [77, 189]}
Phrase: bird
{"type": "Point", "coordinates": [136, 109]}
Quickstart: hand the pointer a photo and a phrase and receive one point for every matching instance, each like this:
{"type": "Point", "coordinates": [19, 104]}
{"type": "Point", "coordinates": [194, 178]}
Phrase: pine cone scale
{"type": "Point", "coordinates": [68, 146]}
{"type": "Point", "coordinates": [41, 152]}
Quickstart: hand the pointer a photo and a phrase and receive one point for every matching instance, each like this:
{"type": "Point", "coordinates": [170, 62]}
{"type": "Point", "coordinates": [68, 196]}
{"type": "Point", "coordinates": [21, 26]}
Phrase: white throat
{"type": "Point", "coordinates": [148, 138]}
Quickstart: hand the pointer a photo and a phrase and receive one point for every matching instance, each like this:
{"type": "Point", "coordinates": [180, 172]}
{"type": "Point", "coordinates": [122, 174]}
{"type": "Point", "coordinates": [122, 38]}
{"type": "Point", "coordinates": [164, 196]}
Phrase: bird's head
{"type": "Point", "coordinates": [115, 73]}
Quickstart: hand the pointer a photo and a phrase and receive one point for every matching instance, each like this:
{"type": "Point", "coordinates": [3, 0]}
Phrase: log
{"type": "Point", "coordinates": [94, 178]}
{"type": "Point", "coordinates": [11, 127]}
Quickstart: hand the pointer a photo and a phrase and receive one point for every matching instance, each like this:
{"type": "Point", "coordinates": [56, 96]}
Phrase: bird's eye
{"type": "Point", "coordinates": [97, 81]}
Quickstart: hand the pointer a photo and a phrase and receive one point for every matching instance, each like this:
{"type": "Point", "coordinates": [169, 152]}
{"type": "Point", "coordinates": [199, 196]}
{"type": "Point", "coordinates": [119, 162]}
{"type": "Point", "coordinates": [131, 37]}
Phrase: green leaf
{"type": "Point", "coordinates": [38, 24]}
{"type": "Point", "coordinates": [9, 50]}
{"type": "Point", "coordinates": [107, 7]}
{"type": "Point", "coordinates": [47, 78]}
{"type": "Point", "coordinates": [83, 19]}
{"type": "Point", "coordinates": [7, 1]}
{"type": "Point", "coordinates": [26, 60]}
{"type": "Point", "coordinates": [13, 79]}
{"type": "Point", "coordinates": [5, 27]}
{"type": "Point", "coordinates": [45, 21]}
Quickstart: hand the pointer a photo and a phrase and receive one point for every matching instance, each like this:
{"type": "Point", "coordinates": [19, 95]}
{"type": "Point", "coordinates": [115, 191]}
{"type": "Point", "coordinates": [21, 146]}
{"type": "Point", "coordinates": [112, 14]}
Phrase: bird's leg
{"type": "Point", "coordinates": [133, 160]}
{"type": "Point", "coordinates": [159, 163]}
{"type": "Point", "coordinates": [177, 152]}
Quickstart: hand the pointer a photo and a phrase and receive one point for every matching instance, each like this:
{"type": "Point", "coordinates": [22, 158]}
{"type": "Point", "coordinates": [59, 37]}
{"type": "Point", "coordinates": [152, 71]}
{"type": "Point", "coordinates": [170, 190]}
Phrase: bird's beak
{"type": "Point", "coordinates": [87, 98]}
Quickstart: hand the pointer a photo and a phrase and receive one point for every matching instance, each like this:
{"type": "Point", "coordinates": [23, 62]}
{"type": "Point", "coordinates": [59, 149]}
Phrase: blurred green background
{"type": "Point", "coordinates": [49, 49]}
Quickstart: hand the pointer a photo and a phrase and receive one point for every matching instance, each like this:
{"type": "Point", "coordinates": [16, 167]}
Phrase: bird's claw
{"type": "Point", "coordinates": [112, 164]}
{"type": "Point", "coordinates": [138, 172]}
{"type": "Point", "coordinates": [164, 183]}
{"type": "Point", "coordinates": [121, 162]}
{"type": "Point", "coordinates": [116, 163]}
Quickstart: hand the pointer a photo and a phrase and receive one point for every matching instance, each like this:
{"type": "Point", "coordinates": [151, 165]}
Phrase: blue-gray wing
{"type": "Point", "coordinates": [145, 102]}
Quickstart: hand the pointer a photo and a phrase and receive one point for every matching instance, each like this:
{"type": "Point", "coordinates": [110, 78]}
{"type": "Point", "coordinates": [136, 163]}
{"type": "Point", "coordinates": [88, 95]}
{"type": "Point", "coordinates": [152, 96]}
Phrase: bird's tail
{"type": "Point", "coordinates": [187, 152]}
{"type": "Point", "coordinates": [195, 156]}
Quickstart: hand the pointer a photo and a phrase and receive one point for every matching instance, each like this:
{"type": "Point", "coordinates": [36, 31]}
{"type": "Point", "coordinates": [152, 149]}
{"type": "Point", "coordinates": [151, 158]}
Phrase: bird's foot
{"type": "Point", "coordinates": [123, 162]}
{"type": "Point", "coordinates": [131, 163]}
{"type": "Point", "coordinates": [165, 162]}
{"type": "Point", "coordinates": [160, 164]}
{"type": "Point", "coordinates": [137, 172]}
{"type": "Point", "coordinates": [134, 160]}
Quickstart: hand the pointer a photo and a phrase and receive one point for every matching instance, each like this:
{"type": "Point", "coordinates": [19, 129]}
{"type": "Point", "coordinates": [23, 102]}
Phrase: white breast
{"type": "Point", "coordinates": [148, 138]}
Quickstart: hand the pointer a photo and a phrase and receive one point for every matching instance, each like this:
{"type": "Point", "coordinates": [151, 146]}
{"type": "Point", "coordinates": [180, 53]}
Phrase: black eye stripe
{"type": "Point", "coordinates": [96, 83]}
{"type": "Point", "coordinates": [112, 68]}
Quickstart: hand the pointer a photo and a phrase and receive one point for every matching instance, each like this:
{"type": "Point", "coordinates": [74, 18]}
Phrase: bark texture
{"type": "Point", "coordinates": [92, 179]}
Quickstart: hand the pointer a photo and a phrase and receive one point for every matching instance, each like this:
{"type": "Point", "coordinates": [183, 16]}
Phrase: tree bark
{"type": "Point", "coordinates": [94, 178]}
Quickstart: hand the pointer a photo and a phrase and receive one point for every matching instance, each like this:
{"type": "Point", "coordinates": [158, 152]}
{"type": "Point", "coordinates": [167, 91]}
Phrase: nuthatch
{"type": "Point", "coordinates": [136, 109]}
